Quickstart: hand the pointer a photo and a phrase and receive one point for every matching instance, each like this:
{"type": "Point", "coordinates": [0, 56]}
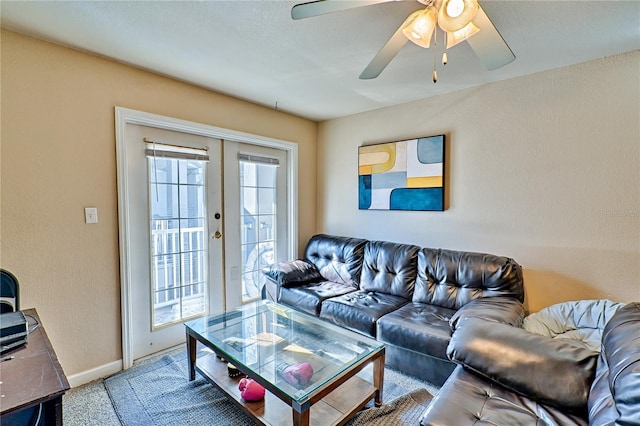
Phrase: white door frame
{"type": "Point", "coordinates": [124, 116]}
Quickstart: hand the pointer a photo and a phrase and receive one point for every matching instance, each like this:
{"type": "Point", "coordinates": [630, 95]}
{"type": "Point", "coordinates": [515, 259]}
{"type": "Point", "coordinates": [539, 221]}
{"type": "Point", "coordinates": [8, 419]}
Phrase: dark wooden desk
{"type": "Point", "coordinates": [32, 377]}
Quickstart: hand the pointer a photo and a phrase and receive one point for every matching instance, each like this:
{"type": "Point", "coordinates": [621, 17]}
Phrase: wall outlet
{"type": "Point", "coordinates": [91, 215]}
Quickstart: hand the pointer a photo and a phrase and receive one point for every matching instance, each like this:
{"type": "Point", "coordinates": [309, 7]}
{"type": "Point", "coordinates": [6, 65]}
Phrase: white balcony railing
{"type": "Point", "coordinates": [178, 267]}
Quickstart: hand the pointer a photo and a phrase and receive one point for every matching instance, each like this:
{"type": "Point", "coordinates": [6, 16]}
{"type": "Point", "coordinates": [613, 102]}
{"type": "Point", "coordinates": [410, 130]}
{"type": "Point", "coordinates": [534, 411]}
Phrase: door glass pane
{"type": "Point", "coordinates": [258, 212]}
{"type": "Point", "coordinates": [194, 304]}
{"type": "Point", "coordinates": [192, 201]}
{"type": "Point", "coordinates": [267, 177]}
{"type": "Point", "coordinates": [163, 170]}
{"type": "Point", "coordinates": [249, 229]}
{"type": "Point", "coordinates": [249, 199]}
{"type": "Point", "coordinates": [191, 172]}
{"type": "Point", "coordinates": [192, 235]}
{"type": "Point", "coordinates": [166, 270]}
{"type": "Point", "coordinates": [266, 200]}
{"type": "Point", "coordinates": [164, 239]}
{"type": "Point", "coordinates": [178, 239]}
{"type": "Point", "coordinates": [164, 201]}
{"type": "Point", "coordinates": [249, 175]}
{"type": "Point", "coordinates": [266, 227]}
{"type": "Point", "coordinates": [166, 307]}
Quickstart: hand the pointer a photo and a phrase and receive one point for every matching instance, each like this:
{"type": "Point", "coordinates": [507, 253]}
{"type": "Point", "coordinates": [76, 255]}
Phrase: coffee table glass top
{"type": "Point", "coordinates": [295, 352]}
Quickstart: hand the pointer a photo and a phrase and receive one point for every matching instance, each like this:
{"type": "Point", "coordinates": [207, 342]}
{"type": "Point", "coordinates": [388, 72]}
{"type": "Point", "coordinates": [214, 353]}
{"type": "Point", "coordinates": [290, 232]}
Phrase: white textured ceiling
{"type": "Point", "coordinates": [253, 50]}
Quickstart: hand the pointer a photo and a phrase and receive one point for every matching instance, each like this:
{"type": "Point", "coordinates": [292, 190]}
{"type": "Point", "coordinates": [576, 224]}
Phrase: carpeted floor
{"type": "Point", "coordinates": [156, 392]}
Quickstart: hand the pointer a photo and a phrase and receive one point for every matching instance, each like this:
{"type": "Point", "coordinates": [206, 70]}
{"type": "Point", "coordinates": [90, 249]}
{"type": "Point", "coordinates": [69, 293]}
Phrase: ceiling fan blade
{"type": "Point", "coordinates": [320, 7]}
{"type": "Point", "coordinates": [488, 44]}
{"type": "Point", "coordinates": [385, 55]}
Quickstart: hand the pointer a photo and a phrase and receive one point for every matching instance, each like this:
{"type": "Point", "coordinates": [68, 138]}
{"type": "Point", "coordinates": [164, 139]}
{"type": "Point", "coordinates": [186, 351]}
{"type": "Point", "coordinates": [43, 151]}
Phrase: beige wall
{"type": "Point", "coordinates": [544, 168]}
{"type": "Point", "coordinates": [58, 156]}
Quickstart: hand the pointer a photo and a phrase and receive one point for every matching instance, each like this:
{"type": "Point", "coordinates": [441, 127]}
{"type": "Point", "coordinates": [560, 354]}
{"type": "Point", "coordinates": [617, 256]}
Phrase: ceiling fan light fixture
{"type": "Point", "coordinates": [456, 37]}
{"type": "Point", "coordinates": [455, 8]}
{"type": "Point", "coordinates": [454, 15]}
{"type": "Point", "coordinates": [419, 26]}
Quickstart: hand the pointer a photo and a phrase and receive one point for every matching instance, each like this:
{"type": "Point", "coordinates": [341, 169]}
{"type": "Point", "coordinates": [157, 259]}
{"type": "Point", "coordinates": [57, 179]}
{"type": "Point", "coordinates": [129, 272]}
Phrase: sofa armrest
{"type": "Point", "coordinates": [502, 309]}
{"type": "Point", "coordinates": [292, 273]}
{"type": "Point", "coordinates": [556, 372]}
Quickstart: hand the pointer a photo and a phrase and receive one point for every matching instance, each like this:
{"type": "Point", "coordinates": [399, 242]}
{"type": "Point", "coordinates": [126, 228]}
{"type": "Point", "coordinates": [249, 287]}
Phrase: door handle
{"type": "Point", "coordinates": [217, 235]}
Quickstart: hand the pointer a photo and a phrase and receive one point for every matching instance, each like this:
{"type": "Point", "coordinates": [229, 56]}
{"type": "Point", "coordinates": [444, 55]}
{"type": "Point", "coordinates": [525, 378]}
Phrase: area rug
{"type": "Point", "coordinates": [159, 393]}
{"type": "Point", "coordinates": [405, 410]}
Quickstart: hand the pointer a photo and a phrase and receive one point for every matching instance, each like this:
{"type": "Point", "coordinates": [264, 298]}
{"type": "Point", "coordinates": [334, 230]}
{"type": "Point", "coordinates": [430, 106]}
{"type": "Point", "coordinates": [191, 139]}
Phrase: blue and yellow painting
{"type": "Point", "coordinates": [404, 175]}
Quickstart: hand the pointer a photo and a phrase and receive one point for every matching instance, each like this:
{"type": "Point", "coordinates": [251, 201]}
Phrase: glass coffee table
{"type": "Point", "coordinates": [307, 366]}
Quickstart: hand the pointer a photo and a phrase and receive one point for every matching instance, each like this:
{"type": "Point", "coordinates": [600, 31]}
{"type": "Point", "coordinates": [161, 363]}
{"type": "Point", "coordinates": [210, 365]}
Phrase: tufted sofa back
{"type": "Point", "coordinates": [452, 279]}
{"type": "Point", "coordinates": [389, 268]}
{"type": "Point", "coordinates": [615, 391]}
{"type": "Point", "coordinates": [338, 259]}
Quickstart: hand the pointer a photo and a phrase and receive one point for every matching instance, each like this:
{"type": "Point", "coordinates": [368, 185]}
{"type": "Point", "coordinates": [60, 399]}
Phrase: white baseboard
{"type": "Point", "coordinates": [94, 374]}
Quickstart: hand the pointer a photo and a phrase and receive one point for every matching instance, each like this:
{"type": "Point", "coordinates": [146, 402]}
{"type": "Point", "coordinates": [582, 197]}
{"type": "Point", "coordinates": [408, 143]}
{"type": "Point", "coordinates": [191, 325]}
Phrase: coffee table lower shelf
{"type": "Point", "coordinates": [335, 409]}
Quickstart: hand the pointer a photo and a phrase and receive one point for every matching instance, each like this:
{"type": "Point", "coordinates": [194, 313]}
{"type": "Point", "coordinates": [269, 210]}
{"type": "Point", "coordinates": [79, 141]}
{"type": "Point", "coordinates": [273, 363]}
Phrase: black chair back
{"type": "Point", "coordinates": [9, 292]}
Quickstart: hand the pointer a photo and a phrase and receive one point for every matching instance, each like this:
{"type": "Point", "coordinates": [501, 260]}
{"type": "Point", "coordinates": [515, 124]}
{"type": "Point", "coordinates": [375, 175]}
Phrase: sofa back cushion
{"type": "Point", "coordinates": [389, 268]}
{"type": "Point", "coordinates": [556, 372]}
{"type": "Point", "coordinates": [615, 392]}
{"type": "Point", "coordinates": [338, 259]}
{"type": "Point", "coordinates": [452, 279]}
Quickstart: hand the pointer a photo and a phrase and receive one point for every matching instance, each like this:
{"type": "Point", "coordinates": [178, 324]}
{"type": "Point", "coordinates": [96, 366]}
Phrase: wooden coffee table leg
{"type": "Point", "coordinates": [378, 379]}
{"type": "Point", "coordinates": [191, 351]}
{"type": "Point", "coordinates": [301, 419]}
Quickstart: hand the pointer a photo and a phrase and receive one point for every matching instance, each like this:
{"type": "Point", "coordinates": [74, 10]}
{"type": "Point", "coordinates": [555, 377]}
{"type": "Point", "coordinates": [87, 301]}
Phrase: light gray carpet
{"type": "Point", "coordinates": [88, 405]}
{"type": "Point", "coordinates": [157, 392]}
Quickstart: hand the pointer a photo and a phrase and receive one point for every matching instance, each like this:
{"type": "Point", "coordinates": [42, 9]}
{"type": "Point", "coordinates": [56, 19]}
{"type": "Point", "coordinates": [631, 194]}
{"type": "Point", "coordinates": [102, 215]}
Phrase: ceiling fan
{"type": "Point", "coordinates": [459, 20]}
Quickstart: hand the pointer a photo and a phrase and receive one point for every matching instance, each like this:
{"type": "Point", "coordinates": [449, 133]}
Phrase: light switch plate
{"type": "Point", "coordinates": [91, 215]}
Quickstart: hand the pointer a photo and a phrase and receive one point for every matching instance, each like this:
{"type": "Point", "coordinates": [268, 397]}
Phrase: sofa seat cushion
{"type": "Point", "coordinates": [417, 326]}
{"type": "Point", "coordinates": [308, 298]}
{"type": "Point", "coordinates": [359, 310]}
{"type": "Point", "coordinates": [505, 310]}
{"type": "Point", "coordinates": [468, 399]}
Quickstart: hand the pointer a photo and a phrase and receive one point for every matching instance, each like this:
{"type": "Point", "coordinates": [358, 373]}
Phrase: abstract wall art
{"type": "Point", "coordinates": [404, 175]}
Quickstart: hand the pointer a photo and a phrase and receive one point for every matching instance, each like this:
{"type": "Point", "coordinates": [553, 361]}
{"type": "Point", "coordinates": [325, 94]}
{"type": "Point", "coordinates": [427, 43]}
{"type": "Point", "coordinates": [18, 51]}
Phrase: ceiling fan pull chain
{"type": "Point", "coordinates": [435, 55]}
{"type": "Point", "coordinates": [444, 50]}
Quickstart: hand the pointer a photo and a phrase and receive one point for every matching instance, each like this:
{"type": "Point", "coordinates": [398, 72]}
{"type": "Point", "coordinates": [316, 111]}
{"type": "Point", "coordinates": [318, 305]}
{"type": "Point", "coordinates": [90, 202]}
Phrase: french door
{"type": "Point", "coordinates": [176, 223]}
{"type": "Point", "coordinates": [255, 198]}
{"type": "Point", "coordinates": [200, 214]}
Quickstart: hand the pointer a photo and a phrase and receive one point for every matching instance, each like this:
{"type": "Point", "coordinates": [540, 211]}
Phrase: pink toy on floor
{"type": "Point", "coordinates": [251, 390]}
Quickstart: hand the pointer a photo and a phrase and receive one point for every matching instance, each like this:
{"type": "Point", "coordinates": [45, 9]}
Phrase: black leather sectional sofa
{"type": "Point", "coordinates": [409, 297]}
{"type": "Point", "coordinates": [508, 376]}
